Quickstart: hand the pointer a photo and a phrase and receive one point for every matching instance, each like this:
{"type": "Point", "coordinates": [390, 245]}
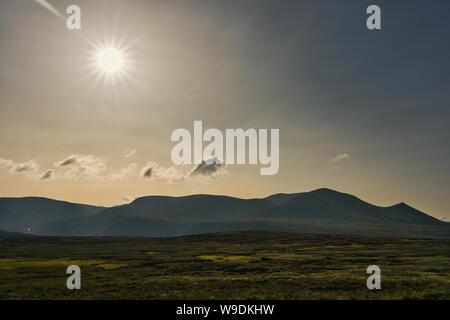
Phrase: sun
{"type": "Point", "coordinates": [110, 60]}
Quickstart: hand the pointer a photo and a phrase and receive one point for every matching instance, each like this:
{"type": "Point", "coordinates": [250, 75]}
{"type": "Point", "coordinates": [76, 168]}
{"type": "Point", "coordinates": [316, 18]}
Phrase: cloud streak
{"type": "Point", "coordinates": [130, 154]}
{"type": "Point", "coordinates": [6, 163]}
{"type": "Point", "coordinates": [21, 167]}
{"type": "Point", "coordinates": [341, 157]}
{"type": "Point", "coordinates": [127, 172]}
{"type": "Point", "coordinates": [47, 175]}
{"type": "Point", "coordinates": [82, 167]}
{"type": "Point", "coordinates": [154, 171]}
{"type": "Point", "coordinates": [88, 167]}
{"type": "Point", "coordinates": [50, 8]}
{"type": "Point", "coordinates": [28, 166]}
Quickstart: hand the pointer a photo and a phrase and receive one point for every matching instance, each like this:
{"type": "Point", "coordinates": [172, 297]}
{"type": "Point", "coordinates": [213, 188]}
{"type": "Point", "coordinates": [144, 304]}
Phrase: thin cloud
{"type": "Point", "coordinates": [170, 174]}
{"type": "Point", "coordinates": [88, 167]}
{"type": "Point", "coordinates": [154, 171]}
{"type": "Point", "coordinates": [341, 157]}
{"type": "Point", "coordinates": [210, 168]}
{"type": "Point", "coordinates": [126, 199]}
{"type": "Point", "coordinates": [24, 167]}
{"type": "Point", "coordinates": [82, 167]}
{"type": "Point", "coordinates": [128, 172]}
{"type": "Point", "coordinates": [28, 168]}
{"type": "Point", "coordinates": [68, 161]}
{"type": "Point", "coordinates": [6, 163]}
{"type": "Point", "coordinates": [47, 175]}
{"type": "Point", "coordinates": [130, 154]}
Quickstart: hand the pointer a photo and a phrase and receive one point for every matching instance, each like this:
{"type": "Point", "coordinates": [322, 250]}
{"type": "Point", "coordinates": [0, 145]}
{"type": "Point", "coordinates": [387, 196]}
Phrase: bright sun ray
{"type": "Point", "coordinates": [110, 62]}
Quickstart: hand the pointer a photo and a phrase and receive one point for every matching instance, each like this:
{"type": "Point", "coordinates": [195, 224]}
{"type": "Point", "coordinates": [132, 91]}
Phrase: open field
{"type": "Point", "coordinates": [235, 265]}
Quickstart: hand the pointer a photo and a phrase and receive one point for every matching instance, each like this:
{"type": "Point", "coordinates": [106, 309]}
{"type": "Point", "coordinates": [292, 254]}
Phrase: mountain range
{"type": "Point", "coordinates": [322, 211]}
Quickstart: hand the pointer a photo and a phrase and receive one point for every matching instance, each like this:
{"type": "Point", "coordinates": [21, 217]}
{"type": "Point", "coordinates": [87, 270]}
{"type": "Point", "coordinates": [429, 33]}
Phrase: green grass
{"type": "Point", "coordinates": [224, 258]}
{"type": "Point", "coordinates": [11, 264]}
{"type": "Point", "coordinates": [235, 265]}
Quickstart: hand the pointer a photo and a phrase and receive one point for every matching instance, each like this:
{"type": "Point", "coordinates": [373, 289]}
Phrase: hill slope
{"type": "Point", "coordinates": [9, 234]}
{"type": "Point", "coordinates": [33, 213]}
{"type": "Point", "coordinates": [322, 210]}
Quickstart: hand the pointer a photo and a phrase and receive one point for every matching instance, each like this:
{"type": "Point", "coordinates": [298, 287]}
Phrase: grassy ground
{"type": "Point", "coordinates": [237, 265]}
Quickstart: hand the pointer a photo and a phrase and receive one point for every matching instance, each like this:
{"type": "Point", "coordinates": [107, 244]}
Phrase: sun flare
{"type": "Point", "coordinates": [109, 60]}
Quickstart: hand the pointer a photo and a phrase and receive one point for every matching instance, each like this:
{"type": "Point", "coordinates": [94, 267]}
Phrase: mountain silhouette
{"type": "Point", "coordinates": [31, 214]}
{"type": "Point", "coordinates": [9, 234]}
{"type": "Point", "coordinates": [322, 210]}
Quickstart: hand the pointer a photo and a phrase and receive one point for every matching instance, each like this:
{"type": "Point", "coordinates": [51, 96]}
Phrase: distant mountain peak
{"type": "Point", "coordinates": [322, 210]}
{"type": "Point", "coordinates": [325, 190]}
{"type": "Point", "coordinates": [403, 205]}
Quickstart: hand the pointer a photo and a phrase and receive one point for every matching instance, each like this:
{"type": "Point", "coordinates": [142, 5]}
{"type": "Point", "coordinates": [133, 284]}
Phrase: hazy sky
{"type": "Point", "coordinates": [363, 112]}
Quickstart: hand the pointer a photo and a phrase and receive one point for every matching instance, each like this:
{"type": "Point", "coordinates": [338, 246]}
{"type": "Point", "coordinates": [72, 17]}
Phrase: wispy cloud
{"type": "Point", "coordinates": [19, 167]}
{"type": "Point", "coordinates": [126, 199]}
{"type": "Point", "coordinates": [28, 168]}
{"type": "Point", "coordinates": [128, 172]}
{"type": "Point", "coordinates": [341, 157]}
{"type": "Point", "coordinates": [130, 154]}
{"type": "Point", "coordinates": [154, 171]}
{"type": "Point", "coordinates": [82, 167]}
{"type": "Point", "coordinates": [47, 175]}
{"type": "Point", "coordinates": [88, 167]}
{"type": "Point", "coordinates": [68, 161]}
{"type": "Point", "coordinates": [6, 163]}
